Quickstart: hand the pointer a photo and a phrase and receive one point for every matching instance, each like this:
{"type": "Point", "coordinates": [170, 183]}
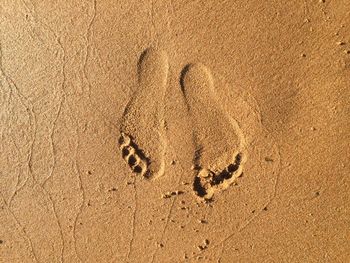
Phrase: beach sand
{"type": "Point", "coordinates": [174, 131]}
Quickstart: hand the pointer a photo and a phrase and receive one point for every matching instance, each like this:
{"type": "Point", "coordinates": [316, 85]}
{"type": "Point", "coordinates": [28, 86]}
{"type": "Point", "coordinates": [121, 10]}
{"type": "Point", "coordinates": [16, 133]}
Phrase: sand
{"type": "Point", "coordinates": [174, 131]}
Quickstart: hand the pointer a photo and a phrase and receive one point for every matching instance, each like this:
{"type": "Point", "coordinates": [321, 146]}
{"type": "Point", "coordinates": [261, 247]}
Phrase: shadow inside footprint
{"type": "Point", "coordinates": [134, 156]}
{"type": "Point", "coordinates": [206, 182]}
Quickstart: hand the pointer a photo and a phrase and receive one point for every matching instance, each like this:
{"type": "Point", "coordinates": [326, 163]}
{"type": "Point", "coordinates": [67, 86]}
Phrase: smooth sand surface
{"type": "Point", "coordinates": [174, 131]}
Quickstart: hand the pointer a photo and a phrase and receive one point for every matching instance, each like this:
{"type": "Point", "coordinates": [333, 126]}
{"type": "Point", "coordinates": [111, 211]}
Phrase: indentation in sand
{"type": "Point", "coordinates": [142, 134]}
{"type": "Point", "coordinates": [219, 143]}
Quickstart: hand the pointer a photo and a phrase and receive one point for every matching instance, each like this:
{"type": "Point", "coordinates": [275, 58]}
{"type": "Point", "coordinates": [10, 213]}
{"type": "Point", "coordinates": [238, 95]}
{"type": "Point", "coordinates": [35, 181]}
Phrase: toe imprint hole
{"type": "Point", "coordinates": [137, 169]}
{"type": "Point", "coordinates": [125, 152]}
{"type": "Point", "coordinates": [232, 168]}
{"type": "Point", "coordinates": [132, 160]}
{"type": "Point", "coordinates": [198, 187]}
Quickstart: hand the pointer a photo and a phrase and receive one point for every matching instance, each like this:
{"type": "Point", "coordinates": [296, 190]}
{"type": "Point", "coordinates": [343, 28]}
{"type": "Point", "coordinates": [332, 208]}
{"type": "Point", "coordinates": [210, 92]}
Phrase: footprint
{"type": "Point", "coordinates": [142, 140]}
{"type": "Point", "coordinates": [219, 142]}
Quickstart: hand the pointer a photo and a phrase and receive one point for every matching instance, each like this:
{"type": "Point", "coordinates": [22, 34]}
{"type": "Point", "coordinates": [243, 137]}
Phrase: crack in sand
{"type": "Point", "coordinates": [88, 34]}
{"type": "Point", "coordinates": [37, 19]}
{"type": "Point", "coordinates": [168, 216]}
{"type": "Point", "coordinates": [133, 221]}
{"type": "Point", "coordinates": [22, 229]}
{"type": "Point", "coordinates": [10, 112]}
{"type": "Point", "coordinates": [165, 228]}
{"type": "Point", "coordinates": [24, 102]}
{"type": "Point", "coordinates": [29, 161]}
{"type": "Point", "coordinates": [87, 37]}
{"type": "Point", "coordinates": [82, 191]}
{"type": "Point", "coordinates": [32, 115]}
{"type": "Point", "coordinates": [52, 133]}
{"type": "Point", "coordinates": [18, 174]}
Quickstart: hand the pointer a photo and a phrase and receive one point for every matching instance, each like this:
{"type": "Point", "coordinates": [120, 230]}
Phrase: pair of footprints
{"type": "Point", "coordinates": [218, 141]}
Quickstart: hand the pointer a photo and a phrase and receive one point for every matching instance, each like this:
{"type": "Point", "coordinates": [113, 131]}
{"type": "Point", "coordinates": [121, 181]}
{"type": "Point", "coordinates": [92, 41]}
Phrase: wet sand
{"type": "Point", "coordinates": [174, 131]}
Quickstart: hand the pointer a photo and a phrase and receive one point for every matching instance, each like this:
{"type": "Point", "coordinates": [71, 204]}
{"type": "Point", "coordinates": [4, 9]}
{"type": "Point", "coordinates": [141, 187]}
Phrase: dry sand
{"type": "Point", "coordinates": [175, 131]}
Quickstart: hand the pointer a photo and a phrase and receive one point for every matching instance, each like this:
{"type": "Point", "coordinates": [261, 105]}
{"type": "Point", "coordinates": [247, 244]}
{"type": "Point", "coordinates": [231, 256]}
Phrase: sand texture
{"type": "Point", "coordinates": [174, 131]}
